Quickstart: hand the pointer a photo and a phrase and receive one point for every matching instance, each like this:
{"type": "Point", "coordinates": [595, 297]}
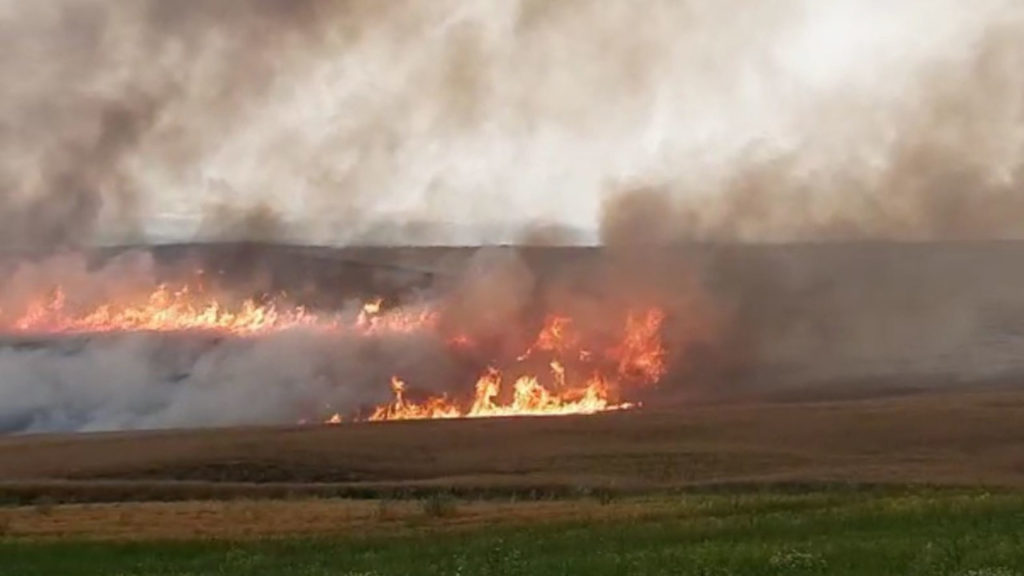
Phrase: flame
{"type": "Point", "coordinates": [401, 409]}
{"type": "Point", "coordinates": [557, 335]}
{"type": "Point", "coordinates": [564, 371]}
{"type": "Point", "coordinates": [639, 359]}
{"type": "Point", "coordinates": [189, 309]}
{"type": "Point", "coordinates": [641, 355]}
{"type": "Point", "coordinates": [163, 310]}
{"type": "Point", "coordinates": [372, 319]}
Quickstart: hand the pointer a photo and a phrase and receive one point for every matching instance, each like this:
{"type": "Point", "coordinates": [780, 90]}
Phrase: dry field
{"type": "Point", "coordinates": [950, 438]}
{"type": "Point", "coordinates": [538, 496]}
{"type": "Point", "coordinates": [260, 519]}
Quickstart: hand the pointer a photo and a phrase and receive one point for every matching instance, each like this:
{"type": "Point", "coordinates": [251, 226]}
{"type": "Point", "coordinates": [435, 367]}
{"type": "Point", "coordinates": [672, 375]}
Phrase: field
{"type": "Point", "coordinates": [952, 438]}
{"type": "Point", "coordinates": [859, 415]}
{"type": "Point", "coordinates": [955, 533]}
{"type": "Point", "coordinates": [912, 484]}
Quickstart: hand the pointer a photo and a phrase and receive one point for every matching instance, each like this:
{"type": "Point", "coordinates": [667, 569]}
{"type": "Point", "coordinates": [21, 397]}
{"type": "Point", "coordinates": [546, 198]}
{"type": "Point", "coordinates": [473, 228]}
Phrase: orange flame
{"type": "Point", "coordinates": [578, 379]}
{"type": "Point", "coordinates": [641, 355]}
{"type": "Point", "coordinates": [638, 359]}
{"type": "Point", "coordinates": [188, 309]}
{"type": "Point", "coordinates": [164, 310]}
{"type": "Point", "coordinates": [557, 335]}
{"type": "Point", "coordinates": [372, 320]}
{"type": "Point", "coordinates": [401, 409]}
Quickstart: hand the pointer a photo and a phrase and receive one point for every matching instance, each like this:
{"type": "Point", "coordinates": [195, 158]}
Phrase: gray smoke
{"type": "Point", "coordinates": [945, 168]}
{"type": "Point", "coordinates": [139, 381]}
{"type": "Point", "coordinates": [51, 382]}
{"type": "Point", "coordinates": [944, 161]}
{"type": "Point", "coordinates": [340, 121]}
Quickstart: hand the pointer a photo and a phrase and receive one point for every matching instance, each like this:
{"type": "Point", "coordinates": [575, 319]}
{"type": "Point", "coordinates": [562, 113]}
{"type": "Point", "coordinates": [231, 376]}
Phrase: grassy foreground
{"type": "Point", "coordinates": [941, 533]}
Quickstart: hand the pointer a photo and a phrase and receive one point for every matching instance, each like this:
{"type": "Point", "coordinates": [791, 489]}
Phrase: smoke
{"type": "Point", "coordinates": [491, 304]}
{"type": "Point", "coordinates": [943, 164]}
{"type": "Point", "coordinates": [922, 141]}
{"type": "Point", "coordinates": [52, 382]}
{"type": "Point", "coordinates": [740, 321]}
{"type": "Point", "coordinates": [942, 161]}
{"type": "Point", "coordinates": [139, 381]}
{"type": "Point", "coordinates": [495, 121]}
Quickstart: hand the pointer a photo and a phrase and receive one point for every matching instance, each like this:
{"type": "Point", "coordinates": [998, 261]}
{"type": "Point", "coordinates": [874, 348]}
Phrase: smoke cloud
{"type": "Point", "coordinates": [942, 159]}
{"type": "Point", "coordinates": [53, 382]}
{"type": "Point", "coordinates": [139, 381]}
{"type": "Point", "coordinates": [343, 121]}
{"type": "Point", "coordinates": [495, 300]}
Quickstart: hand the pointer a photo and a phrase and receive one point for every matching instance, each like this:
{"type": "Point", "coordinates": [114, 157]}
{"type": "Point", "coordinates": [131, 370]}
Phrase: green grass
{"type": "Point", "coordinates": [929, 533]}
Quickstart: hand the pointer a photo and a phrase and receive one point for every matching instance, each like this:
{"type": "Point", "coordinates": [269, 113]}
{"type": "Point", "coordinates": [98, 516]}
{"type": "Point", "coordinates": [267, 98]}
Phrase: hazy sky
{"type": "Point", "coordinates": [343, 114]}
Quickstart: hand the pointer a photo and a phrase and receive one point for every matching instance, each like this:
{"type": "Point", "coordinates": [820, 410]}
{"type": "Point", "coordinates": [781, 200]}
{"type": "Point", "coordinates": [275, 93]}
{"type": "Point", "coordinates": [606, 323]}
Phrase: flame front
{"type": "Point", "coordinates": [564, 371]}
{"type": "Point", "coordinates": [189, 309]}
{"type": "Point", "coordinates": [638, 360]}
{"type": "Point", "coordinates": [164, 310]}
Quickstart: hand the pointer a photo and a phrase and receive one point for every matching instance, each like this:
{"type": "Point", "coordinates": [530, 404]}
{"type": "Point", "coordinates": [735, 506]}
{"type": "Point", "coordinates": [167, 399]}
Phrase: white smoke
{"type": "Point", "coordinates": [140, 381]}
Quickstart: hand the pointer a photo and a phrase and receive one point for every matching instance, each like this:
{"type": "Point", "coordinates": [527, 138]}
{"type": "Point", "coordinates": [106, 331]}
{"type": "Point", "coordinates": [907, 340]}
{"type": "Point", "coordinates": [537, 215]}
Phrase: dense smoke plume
{"type": "Point", "coordinates": [357, 121]}
{"type": "Point", "coordinates": [945, 163]}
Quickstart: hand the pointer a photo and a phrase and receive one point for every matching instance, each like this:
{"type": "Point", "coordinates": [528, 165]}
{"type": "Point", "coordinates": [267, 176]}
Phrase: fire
{"type": "Point", "coordinates": [639, 359]}
{"type": "Point", "coordinates": [565, 369]}
{"type": "Point", "coordinates": [529, 398]}
{"type": "Point", "coordinates": [641, 355]}
{"type": "Point", "coordinates": [372, 319]}
{"type": "Point", "coordinates": [190, 309]}
{"type": "Point", "coordinates": [557, 335]}
{"type": "Point", "coordinates": [401, 409]}
{"type": "Point", "coordinates": [163, 310]}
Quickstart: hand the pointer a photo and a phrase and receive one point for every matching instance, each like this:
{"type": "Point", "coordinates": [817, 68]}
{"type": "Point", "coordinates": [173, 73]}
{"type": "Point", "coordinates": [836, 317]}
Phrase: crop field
{"type": "Point", "coordinates": [914, 484]}
{"type": "Point", "coordinates": [896, 532]}
{"type": "Point", "coordinates": [953, 438]}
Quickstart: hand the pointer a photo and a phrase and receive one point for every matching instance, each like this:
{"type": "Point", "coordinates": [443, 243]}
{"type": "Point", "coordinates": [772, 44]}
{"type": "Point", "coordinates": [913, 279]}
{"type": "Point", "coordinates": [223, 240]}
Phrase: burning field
{"type": "Point", "coordinates": [579, 380]}
{"type": "Point", "coordinates": [200, 336]}
{"type": "Point", "coordinates": [388, 401]}
{"type": "Point", "coordinates": [436, 255]}
{"type": "Point", "coordinates": [111, 349]}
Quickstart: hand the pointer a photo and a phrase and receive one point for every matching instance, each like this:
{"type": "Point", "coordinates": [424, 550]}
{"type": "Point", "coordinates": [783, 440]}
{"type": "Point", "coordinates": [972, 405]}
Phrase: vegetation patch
{"type": "Point", "coordinates": [825, 533]}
